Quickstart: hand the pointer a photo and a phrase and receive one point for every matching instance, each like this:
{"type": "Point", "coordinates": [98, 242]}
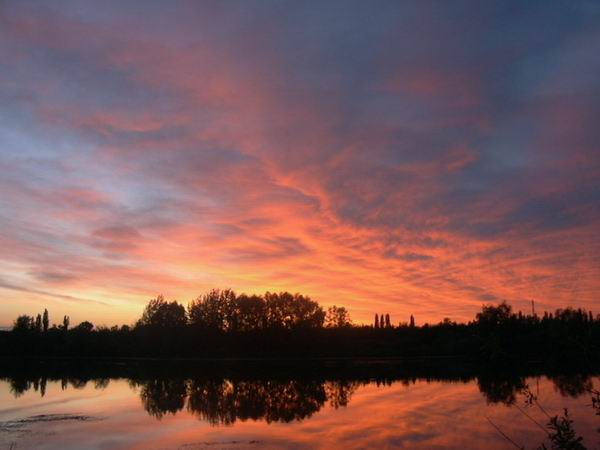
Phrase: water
{"type": "Point", "coordinates": [235, 411]}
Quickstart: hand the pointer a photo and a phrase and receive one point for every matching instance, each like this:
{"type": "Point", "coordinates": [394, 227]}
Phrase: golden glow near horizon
{"type": "Point", "coordinates": [367, 158]}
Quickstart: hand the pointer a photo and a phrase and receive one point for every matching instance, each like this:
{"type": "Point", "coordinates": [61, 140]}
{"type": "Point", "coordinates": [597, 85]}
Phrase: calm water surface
{"type": "Point", "coordinates": [235, 413]}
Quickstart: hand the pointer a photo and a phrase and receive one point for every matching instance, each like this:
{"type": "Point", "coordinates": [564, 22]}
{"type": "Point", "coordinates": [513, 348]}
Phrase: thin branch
{"type": "Point", "coordinates": [542, 409]}
{"type": "Point", "coordinates": [532, 419]}
{"type": "Point", "coordinates": [504, 435]}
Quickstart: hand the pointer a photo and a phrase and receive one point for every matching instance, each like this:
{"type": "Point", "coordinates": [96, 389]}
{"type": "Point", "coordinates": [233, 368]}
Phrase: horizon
{"type": "Point", "coordinates": [392, 158]}
{"type": "Point", "coordinates": [394, 322]}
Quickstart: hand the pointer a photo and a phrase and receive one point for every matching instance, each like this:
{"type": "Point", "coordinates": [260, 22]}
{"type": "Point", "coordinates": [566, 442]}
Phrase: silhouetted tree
{"type": "Point", "coordinates": [45, 321]}
{"type": "Point", "coordinates": [493, 316]}
{"type": "Point", "coordinates": [162, 314]}
{"type": "Point", "coordinates": [568, 337]}
{"type": "Point", "coordinates": [38, 323]}
{"type": "Point", "coordinates": [288, 311]}
{"type": "Point", "coordinates": [23, 323]}
{"type": "Point", "coordinates": [251, 311]}
{"type": "Point", "coordinates": [337, 317]}
{"type": "Point", "coordinates": [571, 315]}
{"type": "Point", "coordinates": [210, 310]}
{"type": "Point", "coordinates": [85, 326]}
{"type": "Point", "coordinates": [446, 322]}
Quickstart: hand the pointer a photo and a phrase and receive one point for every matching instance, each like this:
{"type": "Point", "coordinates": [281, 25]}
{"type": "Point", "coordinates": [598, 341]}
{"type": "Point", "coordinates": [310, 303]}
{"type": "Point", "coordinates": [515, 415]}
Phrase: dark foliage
{"type": "Point", "coordinates": [562, 435]}
{"type": "Point", "coordinates": [223, 324]}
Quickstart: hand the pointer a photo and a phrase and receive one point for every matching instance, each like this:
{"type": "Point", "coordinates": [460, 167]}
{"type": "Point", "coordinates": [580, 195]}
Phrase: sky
{"type": "Point", "coordinates": [393, 157]}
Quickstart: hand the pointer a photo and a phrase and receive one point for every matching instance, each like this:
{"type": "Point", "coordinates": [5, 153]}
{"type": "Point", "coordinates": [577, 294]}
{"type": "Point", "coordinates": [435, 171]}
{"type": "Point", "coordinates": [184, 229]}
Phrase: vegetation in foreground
{"type": "Point", "coordinates": [223, 324]}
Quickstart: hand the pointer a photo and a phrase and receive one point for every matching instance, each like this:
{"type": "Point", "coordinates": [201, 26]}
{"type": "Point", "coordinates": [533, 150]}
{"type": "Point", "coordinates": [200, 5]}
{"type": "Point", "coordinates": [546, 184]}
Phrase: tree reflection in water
{"type": "Point", "coordinates": [574, 385]}
{"type": "Point", "coordinates": [339, 392]}
{"type": "Point", "coordinates": [500, 389]}
{"type": "Point", "coordinates": [223, 401]}
{"type": "Point", "coordinates": [162, 396]}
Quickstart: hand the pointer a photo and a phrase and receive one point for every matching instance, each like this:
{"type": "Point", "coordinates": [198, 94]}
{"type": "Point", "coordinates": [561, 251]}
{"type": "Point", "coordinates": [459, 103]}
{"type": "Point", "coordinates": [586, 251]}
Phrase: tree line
{"type": "Point", "coordinates": [221, 323]}
{"type": "Point", "coordinates": [41, 323]}
{"type": "Point", "coordinates": [219, 310]}
{"type": "Point", "coordinates": [223, 310]}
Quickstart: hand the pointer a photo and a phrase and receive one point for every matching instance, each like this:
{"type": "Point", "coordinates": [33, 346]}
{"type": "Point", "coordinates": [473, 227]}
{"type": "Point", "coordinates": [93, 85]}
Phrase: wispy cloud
{"type": "Point", "coordinates": [69, 298]}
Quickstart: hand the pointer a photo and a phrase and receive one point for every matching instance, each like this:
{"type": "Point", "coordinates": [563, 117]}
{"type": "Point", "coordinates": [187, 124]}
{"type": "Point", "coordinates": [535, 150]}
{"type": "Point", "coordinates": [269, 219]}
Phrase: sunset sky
{"type": "Point", "coordinates": [420, 157]}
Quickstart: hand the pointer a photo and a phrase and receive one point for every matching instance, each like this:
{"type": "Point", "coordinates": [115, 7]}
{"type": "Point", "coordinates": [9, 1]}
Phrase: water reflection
{"type": "Point", "coordinates": [19, 384]}
{"type": "Point", "coordinates": [223, 401]}
{"type": "Point", "coordinates": [162, 396]}
{"type": "Point", "coordinates": [500, 389]}
{"type": "Point", "coordinates": [573, 385]}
